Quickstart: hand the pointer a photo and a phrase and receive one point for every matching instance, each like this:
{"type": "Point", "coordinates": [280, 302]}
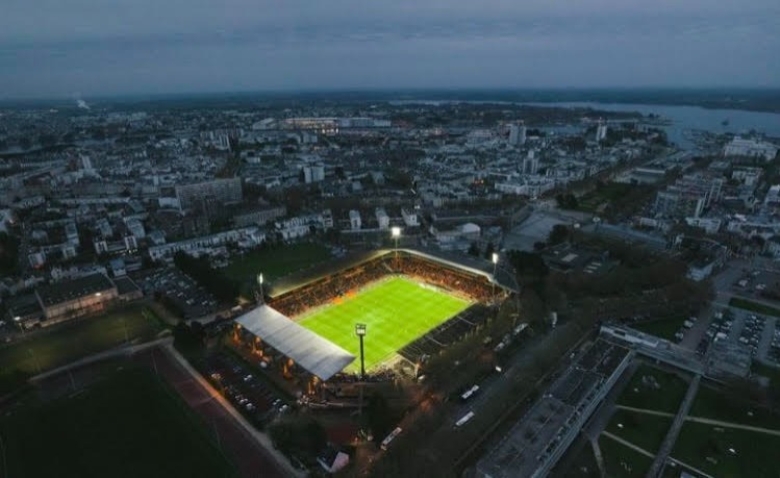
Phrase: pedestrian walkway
{"type": "Point", "coordinates": [628, 444]}
{"type": "Point", "coordinates": [674, 430]}
{"type": "Point", "coordinates": [599, 457]}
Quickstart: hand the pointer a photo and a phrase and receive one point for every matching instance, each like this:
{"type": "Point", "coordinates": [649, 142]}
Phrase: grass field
{"type": "Point", "coordinates": [276, 261]}
{"type": "Point", "coordinates": [396, 311]}
{"type": "Point", "coordinates": [48, 349]}
{"type": "Point", "coordinates": [622, 461]}
{"type": "Point", "coordinates": [706, 447]}
{"type": "Point", "coordinates": [754, 307]}
{"type": "Point", "coordinates": [710, 403]}
{"type": "Point", "coordinates": [125, 426]}
{"type": "Point", "coordinates": [666, 398]}
{"type": "Point", "coordinates": [645, 431]}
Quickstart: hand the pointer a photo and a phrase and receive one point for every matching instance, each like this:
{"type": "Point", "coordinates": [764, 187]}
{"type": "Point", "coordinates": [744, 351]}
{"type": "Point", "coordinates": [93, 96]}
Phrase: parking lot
{"type": "Point", "coordinates": [755, 332]}
{"type": "Point", "coordinates": [259, 402]}
{"type": "Point", "coordinates": [186, 295]}
{"type": "Point", "coordinates": [760, 284]}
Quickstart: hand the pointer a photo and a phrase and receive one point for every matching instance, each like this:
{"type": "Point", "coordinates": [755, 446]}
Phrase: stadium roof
{"type": "Point", "coordinates": [459, 261]}
{"type": "Point", "coordinates": [315, 354]}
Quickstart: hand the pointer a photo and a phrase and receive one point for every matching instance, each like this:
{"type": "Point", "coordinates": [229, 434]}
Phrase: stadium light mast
{"type": "Point", "coordinates": [261, 299]}
{"type": "Point", "coordinates": [395, 232]}
{"type": "Point", "coordinates": [360, 331]}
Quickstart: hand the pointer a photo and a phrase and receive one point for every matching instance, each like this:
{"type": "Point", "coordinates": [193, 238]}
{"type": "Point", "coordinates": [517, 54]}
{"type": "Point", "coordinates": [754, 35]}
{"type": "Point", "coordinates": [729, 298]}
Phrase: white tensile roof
{"type": "Point", "coordinates": [315, 354]}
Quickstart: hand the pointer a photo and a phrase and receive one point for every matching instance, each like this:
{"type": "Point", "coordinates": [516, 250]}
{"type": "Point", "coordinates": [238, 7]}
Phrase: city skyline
{"type": "Point", "coordinates": [48, 49]}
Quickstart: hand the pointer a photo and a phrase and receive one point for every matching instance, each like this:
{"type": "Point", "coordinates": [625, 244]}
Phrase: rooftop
{"type": "Point", "coordinates": [313, 353]}
{"type": "Point", "coordinates": [74, 289]}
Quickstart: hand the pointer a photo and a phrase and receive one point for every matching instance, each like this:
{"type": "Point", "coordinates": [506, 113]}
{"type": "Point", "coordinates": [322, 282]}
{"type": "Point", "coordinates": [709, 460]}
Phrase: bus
{"type": "Point", "coordinates": [390, 438]}
{"type": "Point", "coordinates": [462, 421]}
{"type": "Point", "coordinates": [469, 393]}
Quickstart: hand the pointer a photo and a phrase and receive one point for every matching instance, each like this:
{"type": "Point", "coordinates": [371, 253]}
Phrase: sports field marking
{"type": "Point", "coordinates": [396, 311]}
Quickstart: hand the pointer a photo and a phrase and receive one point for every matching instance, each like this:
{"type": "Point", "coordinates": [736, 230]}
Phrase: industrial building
{"type": "Point", "coordinates": [535, 444]}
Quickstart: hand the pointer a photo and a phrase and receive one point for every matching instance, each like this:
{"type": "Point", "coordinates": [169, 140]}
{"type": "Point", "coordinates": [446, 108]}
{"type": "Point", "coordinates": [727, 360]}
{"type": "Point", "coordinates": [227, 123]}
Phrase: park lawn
{"type": "Point", "coordinates": [275, 261]}
{"type": "Point", "coordinates": [396, 311]}
{"type": "Point", "coordinates": [128, 425]}
{"type": "Point", "coordinates": [622, 461]}
{"type": "Point", "coordinates": [643, 430]}
{"type": "Point", "coordinates": [756, 453]}
{"type": "Point", "coordinates": [754, 307]}
{"type": "Point", "coordinates": [667, 398]}
{"type": "Point", "coordinates": [664, 329]}
{"type": "Point", "coordinates": [605, 194]}
{"type": "Point", "coordinates": [713, 404]}
{"type": "Point", "coordinates": [581, 465]}
{"type": "Point", "coordinates": [65, 343]}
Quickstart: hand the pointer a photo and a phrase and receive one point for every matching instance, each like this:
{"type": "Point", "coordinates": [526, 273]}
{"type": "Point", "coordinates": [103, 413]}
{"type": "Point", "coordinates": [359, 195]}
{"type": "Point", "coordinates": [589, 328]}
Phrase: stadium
{"type": "Point", "coordinates": [410, 304]}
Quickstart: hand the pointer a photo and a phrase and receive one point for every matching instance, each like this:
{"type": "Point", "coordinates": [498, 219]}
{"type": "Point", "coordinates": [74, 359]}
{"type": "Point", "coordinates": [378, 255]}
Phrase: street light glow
{"type": "Point", "coordinates": [17, 318]}
{"type": "Point", "coordinates": [395, 231]}
{"type": "Point", "coordinates": [495, 258]}
{"type": "Point", "coordinates": [260, 278]}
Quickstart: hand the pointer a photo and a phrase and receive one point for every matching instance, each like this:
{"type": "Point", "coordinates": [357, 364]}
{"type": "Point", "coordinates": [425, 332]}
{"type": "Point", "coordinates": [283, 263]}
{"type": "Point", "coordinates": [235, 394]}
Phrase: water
{"type": "Point", "coordinates": [683, 118]}
{"type": "Point", "coordinates": [693, 118]}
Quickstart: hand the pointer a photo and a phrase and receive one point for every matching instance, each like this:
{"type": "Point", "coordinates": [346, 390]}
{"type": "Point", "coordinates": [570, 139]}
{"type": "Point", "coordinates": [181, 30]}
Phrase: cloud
{"type": "Point", "coordinates": [50, 47]}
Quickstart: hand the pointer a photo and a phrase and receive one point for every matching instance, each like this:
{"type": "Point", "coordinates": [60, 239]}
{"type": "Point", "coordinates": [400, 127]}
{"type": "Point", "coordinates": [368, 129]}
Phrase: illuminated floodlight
{"type": "Point", "coordinates": [98, 294]}
{"type": "Point", "coordinates": [395, 231]}
{"type": "Point", "coordinates": [495, 258]}
{"type": "Point", "coordinates": [260, 278]}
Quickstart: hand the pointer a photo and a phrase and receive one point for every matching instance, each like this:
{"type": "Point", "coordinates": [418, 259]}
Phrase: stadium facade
{"type": "Point", "coordinates": [273, 337]}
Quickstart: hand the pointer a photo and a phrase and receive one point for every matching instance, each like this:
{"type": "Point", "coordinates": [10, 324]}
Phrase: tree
{"type": "Point", "coordinates": [299, 436]}
{"type": "Point", "coordinates": [210, 279]}
{"type": "Point", "coordinates": [489, 250]}
{"type": "Point", "coordinates": [567, 201]}
{"type": "Point", "coordinates": [559, 233]}
{"type": "Point", "coordinates": [9, 254]}
{"type": "Point", "coordinates": [379, 415]}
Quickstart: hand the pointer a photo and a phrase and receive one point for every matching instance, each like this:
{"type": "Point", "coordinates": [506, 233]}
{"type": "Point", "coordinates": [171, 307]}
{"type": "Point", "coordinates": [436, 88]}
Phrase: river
{"type": "Point", "coordinates": [693, 118]}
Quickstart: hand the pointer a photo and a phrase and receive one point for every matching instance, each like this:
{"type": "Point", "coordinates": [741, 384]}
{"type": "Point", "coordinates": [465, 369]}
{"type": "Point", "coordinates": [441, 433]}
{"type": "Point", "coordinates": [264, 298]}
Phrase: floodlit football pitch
{"type": "Point", "coordinates": [396, 311]}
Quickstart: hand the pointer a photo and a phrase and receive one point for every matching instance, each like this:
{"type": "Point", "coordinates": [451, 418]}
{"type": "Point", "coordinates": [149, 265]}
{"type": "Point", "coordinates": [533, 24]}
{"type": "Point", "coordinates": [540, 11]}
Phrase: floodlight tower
{"type": "Point", "coordinates": [261, 298]}
{"type": "Point", "coordinates": [395, 232]}
{"type": "Point", "coordinates": [360, 331]}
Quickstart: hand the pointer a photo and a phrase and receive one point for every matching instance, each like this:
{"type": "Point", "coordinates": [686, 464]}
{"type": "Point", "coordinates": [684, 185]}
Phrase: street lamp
{"type": "Point", "coordinates": [360, 331]}
{"type": "Point", "coordinates": [261, 299]}
{"type": "Point", "coordinates": [18, 321]}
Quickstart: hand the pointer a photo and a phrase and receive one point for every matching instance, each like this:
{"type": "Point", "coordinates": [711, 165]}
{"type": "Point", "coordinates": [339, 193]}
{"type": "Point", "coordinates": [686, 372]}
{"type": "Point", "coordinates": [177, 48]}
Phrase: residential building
{"type": "Point", "coordinates": [222, 191]}
{"type": "Point", "coordinates": [750, 148]}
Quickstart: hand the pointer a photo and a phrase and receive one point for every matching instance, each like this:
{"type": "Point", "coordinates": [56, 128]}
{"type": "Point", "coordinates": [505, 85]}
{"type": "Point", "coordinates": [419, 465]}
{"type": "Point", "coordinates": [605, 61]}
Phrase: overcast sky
{"type": "Point", "coordinates": [58, 48]}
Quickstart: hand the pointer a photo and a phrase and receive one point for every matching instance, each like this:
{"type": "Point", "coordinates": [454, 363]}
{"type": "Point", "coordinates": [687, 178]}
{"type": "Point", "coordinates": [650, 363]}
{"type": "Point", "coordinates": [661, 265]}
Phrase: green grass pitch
{"type": "Point", "coordinates": [396, 311]}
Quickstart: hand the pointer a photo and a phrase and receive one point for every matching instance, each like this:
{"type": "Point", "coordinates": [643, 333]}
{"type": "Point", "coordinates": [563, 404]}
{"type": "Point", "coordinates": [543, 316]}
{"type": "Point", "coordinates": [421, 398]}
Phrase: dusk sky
{"type": "Point", "coordinates": [56, 48]}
